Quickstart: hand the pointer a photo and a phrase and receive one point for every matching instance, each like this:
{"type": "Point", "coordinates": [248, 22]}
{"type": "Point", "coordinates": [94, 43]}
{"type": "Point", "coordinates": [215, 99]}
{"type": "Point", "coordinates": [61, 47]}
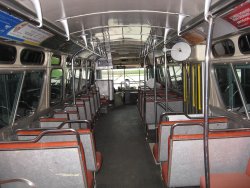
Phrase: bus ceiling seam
{"type": "Point", "coordinates": [207, 12]}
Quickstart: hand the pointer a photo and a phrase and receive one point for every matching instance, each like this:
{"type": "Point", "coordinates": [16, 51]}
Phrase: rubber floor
{"type": "Point", "coordinates": [127, 159]}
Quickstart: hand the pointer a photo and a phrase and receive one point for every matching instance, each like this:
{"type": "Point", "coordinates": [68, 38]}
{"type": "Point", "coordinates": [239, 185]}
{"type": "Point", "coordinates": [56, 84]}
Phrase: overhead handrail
{"type": "Point", "coordinates": [65, 25]}
{"type": "Point", "coordinates": [38, 9]}
{"type": "Point", "coordinates": [206, 9]}
{"type": "Point", "coordinates": [124, 11]}
{"type": "Point", "coordinates": [22, 180]}
{"type": "Point", "coordinates": [180, 21]}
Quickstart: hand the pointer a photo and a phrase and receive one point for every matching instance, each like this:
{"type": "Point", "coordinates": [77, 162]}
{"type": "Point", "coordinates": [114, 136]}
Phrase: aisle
{"type": "Point", "coordinates": [127, 159]}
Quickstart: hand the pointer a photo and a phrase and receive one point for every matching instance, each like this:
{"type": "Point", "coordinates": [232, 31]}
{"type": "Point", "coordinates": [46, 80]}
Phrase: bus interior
{"type": "Point", "coordinates": [115, 94]}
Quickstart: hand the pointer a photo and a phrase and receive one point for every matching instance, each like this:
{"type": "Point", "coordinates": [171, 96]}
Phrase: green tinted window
{"type": "Point", "coordinates": [55, 60]}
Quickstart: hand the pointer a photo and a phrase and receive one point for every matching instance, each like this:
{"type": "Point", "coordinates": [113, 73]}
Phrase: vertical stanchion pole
{"type": "Point", "coordinates": [166, 76]}
{"type": "Point", "coordinates": [144, 93]}
{"type": "Point", "coordinates": [73, 80]}
{"type": "Point", "coordinates": [139, 76]}
{"type": "Point", "coordinates": [209, 19]}
{"type": "Point", "coordinates": [86, 76]}
{"type": "Point", "coordinates": [155, 90]}
{"type": "Point", "coordinates": [108, 85]}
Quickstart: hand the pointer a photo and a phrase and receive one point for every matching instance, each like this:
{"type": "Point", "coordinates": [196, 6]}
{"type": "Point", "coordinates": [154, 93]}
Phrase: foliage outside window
{"type": "Point", "coordinates": [55, 60]}
{"type": "Point", "coordinates": [56, 86]}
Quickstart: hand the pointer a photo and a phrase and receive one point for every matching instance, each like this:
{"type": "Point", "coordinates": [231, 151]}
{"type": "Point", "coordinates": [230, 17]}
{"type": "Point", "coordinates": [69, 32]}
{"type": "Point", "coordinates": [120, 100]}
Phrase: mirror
{"type": "Point", "coordinates": [180, 51]}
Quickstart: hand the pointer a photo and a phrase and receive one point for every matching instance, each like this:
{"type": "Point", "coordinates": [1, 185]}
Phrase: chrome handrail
{"type": "Point", "coordinates": [22, 180]}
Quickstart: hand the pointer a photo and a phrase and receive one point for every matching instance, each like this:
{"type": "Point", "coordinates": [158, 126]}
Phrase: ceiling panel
{"type": "Point", "coordinates": [120, 21]}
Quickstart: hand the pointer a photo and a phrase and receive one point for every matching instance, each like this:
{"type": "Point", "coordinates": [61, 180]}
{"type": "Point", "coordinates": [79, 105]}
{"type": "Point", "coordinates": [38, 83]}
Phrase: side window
{"type": "Point", "coordinates": [56, 86]}
{"type": "Point", "coordinates": [243, 72]}
{"type": "Point", "coordinates": [223, 48]}
{"type": "Point", "coordinates": [244, 43]}
{"type": "Point", "coordinates": [175, 73]}
{"type": "Point", "coordinates": [9, 89]}
{"type": "Point", "coordinates": [8, 54]}
{"type": "Point", "coordinates": [32, 57]}
{"type": "Point", "coordinates": [69, 81]}
{"type": "Point", "coordinates": [31, 93]}
{"type": "Point", "coordinates": [77, 79]}
{"type": "Point", "coordinates": [228, 87]}
{"type": "Point", "coordinates": [68, 90]}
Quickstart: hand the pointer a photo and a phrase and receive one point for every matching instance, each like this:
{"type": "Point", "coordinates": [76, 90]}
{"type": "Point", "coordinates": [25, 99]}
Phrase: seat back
{"type": "Point", "coordinates": [71, 115]}
{"type": "Point", "coordinates": [86, 137]}
{"type": "Point", "coordinates": [94, 94]}
{"type": "Point", "coordinates": [48, 123]}
{"type": "Point", "coordinates": [76, 112]}
{"type": "Point", "coordinates": [175, 104]}
{"type": "Point", "coordinates": [92, 103]}
{"type": "Point", "coordinates": [82, 111]}
{"type": "Point", "coordinates": [86, 101]}
{"type": "Point", "coordinates": [47, 164]}
{"type": "Point", "coordinates": [189, 128]}
{"type": "Point", "coordinates": [229, 151]}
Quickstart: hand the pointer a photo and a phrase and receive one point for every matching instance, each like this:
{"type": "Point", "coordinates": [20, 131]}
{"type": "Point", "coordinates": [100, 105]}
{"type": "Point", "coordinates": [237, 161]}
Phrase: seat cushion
{"type": "Point", "coordinates": [227, 180]}
{"type": "Point", "coordinates": [98, 160]}
{"type": "Point", "coordinates": [164, 172]}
